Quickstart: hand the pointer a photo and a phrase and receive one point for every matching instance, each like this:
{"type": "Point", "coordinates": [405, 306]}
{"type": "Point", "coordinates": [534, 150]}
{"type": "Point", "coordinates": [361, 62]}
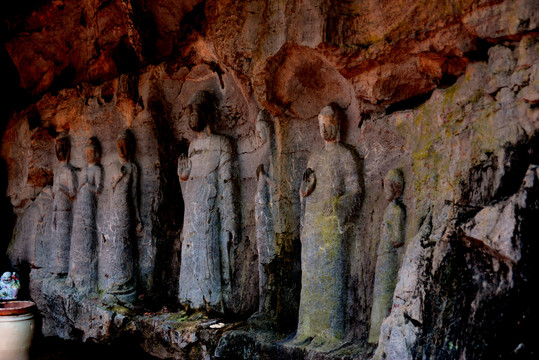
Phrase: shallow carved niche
{"type": "Point", "coordinates": [265, 208]}
{"type": "Point", "coordinates": [117, 258]}
{"type": "Point", "coordinates": [64, 190]}
{"type": "Point", "coordinates": [83, 253]}
{"type": "Point", "coordinates": [331, 191]}
{"type": "Point", "coordinates": [388, 253]}
{"type": "Point", "coordinates": [208, 179]}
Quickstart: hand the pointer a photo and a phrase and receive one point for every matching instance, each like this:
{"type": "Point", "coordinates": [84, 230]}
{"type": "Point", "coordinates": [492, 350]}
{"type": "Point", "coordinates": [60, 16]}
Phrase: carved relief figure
{"type": "Point", "coordinates": [64, 189]}
{"type": "Point", "coordinates": [83, 257]}
{"type": "Point", "coordinates": [331, 190]}
{"type": "Point", "coordinates": [210, 223]}
{"type": "Point", "coordinates": [265, 214]}
{"type": "Point", "coordinates": [387, 263]}
{"type": "Point", "coordinates": [118, 260]}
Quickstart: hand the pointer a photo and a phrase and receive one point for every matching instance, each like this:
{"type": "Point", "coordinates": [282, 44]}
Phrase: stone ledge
{"type": "Point", "coordinates": [163, 334]}
{"type": "Point", "coordinates": [263, 345]}
{"type": "Point", "coordinates": [166, 335]}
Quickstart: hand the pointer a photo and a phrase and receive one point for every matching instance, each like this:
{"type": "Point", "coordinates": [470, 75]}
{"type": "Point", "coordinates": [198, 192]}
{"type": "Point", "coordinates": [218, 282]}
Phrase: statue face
{"type": "Point", "coordinates": [123, 149]}
{"type": "Point", "coordinates": [90, 155]}
{"type": "Point", "coordinates": [197, 122]}
{"type": "Point", "coordinates": [392, 190]}
{"type": "Point", "coordinates": [6, 277]}
{"type": "Point", "coordinates": [328, 127]}
{"type": "Point", "coordinates": [262, 132]}
{"type": "Point", "coordinates": [62, 151]}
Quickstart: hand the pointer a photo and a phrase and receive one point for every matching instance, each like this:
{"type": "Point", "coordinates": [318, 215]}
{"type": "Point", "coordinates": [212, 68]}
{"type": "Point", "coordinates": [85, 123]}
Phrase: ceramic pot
{"type": "Point", "coordinates": [16, 329]}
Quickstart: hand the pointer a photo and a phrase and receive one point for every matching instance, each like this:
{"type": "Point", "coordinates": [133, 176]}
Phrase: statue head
{"type": "Point", "coordinates": [264, 127]}
{"type": "Point", "coordinates": [199, 110]}
{"type": "Point", "coordinates": [393, 184]}
{"type": "Point", "coordinates": [329, 120]}
{"type": "Point", "coordinates": [92, 150]}
{"type": "Point", "coordinates": [6, 277]}
{"type": "Point", "coordinates": [125, 144]}
{"type": "Point", "coordinates": [62, 147]}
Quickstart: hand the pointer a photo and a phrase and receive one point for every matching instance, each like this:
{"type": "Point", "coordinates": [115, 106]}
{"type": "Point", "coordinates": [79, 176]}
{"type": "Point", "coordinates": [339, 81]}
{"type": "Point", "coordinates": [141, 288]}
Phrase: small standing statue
{"type": "Point", "coordinates": [207, 178]}
{"type": "Point", "coordinates": [265, 215]}
{"type": "Point", "coordinates": [331, 191]}
{"type": "Point", "coordinates": [117, 251]}
{"type": "Point", "coordinates": [9, 286]}
{"type": "Point", "coordinates": [83, 257]}
{"type": "Point", "coordinates": [64, 189]}
{"type": "Point", "coordinates": [387, 263]}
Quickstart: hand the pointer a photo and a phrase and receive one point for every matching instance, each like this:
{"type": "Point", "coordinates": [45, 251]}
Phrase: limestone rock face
{"type": "Point", "coordinates": [444, 91]}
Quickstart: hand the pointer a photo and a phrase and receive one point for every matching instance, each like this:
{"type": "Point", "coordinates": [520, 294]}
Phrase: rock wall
{"type": "Point", "coordinates": [445, 91]}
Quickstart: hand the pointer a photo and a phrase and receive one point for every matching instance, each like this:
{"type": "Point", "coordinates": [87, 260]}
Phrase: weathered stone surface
{"type": "Point", "coordinates": [503, 18]}
{"type": "Point", "coordinates": [465, 198]}
{"type": "Point", "coordinates": [331, 190]}
{"type": "Point", "coordinates": [388, 252]}
{"type": "Point", "coordinates": [409, 58]}
{"type": "Point", "coordinates": [117, 257]}
{"type": "Point", "coordinates": [446, 91]}
{"type": "Point", "coordinates": [83, 263]}
{"type": "Point", "coordinates": [64, 190]}
{"type": "Point", "coordinates": [266, 215]}
{"type": "Point", "coordinates": [210, 228]}
{"type": "Point", "coordinates": [245, 343]}
{"type": "Point", "coordinates": [34, 231]}
{"type": "Point", "coordinates": [165, 334]}
{"type": "Point", "coordinates": [83, 41]}
{"type": "Point", "coordinates": [399, 331]}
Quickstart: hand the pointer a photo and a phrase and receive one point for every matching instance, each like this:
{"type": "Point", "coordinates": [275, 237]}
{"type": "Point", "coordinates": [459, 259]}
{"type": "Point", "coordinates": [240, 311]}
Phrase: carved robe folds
{"type": "Point", "coordinates": [387, 262]}
{"type": "Point", "coordinates": [83, 257]}
{"type": "Point", "coordinates": [117, 258]}
{"type": "Point", "coordinates": [209, 224]}
{"type": "Point", "coordinates": [64, 189]}
{"type": "Point", "coordinates": [327, 208]}
{"type": "Point", "coordinates": [119, 261]}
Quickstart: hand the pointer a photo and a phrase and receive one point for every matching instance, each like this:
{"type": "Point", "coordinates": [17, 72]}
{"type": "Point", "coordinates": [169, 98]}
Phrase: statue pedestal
{"type": "Point", "coordinates": [16, 329]}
